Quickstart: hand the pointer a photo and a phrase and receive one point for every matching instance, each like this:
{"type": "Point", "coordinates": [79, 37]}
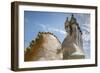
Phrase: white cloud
{"type": "Point", "coordinates": [86, 27]}
{"type": "Point", "coordinates": [43, 26]}
{"type": "Point", "coordinates": [86, 39]}
{"type": "Point", "coordinates": [86, 32]}
{"type": "Point", "coordinates": [86, 36]}
{"type": "Point", "coordinates": [57, 30]}
{"type": "Point", "coordinates": [49, 28]}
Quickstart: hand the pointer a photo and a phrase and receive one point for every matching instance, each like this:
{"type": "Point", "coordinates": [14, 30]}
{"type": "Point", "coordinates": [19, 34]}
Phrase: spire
{"type": "Point", "coordinates": [67, 19]}
{"type": "Point", "coordinates": [66, 22]}
{"type": "Point", "coordinates": [73, 19]}
{"type": "Point", "coordinates": [72, 16]}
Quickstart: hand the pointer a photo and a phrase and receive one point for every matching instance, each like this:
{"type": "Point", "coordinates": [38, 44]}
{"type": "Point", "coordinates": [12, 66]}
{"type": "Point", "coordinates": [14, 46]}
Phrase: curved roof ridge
{"type": "Point", "coordinates": [51, 34]}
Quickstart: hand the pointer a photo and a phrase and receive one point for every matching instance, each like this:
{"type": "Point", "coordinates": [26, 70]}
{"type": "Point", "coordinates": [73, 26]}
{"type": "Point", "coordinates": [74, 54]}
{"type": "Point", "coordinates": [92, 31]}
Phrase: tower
{"type": "Point", "coordinates": [73, 43]}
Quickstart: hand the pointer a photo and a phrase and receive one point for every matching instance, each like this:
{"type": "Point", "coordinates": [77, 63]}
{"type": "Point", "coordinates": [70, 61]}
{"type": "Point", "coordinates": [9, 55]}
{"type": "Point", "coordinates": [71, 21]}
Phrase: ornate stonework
{"type": "Point", "coordinates": [73, 43]}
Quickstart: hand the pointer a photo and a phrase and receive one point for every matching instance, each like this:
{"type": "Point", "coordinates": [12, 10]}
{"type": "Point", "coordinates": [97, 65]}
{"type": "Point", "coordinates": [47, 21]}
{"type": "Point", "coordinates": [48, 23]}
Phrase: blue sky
{"type": "Point", "coordinates": [54, 22]}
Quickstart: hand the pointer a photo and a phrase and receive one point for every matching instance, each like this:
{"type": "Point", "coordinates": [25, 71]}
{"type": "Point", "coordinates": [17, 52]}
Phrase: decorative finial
{"type": "Point", "coordinates": [72, 16]}
{"type": "Point", "coordinates": [67, 19]}
{"type": "Point", "coordinates": [73, 19]}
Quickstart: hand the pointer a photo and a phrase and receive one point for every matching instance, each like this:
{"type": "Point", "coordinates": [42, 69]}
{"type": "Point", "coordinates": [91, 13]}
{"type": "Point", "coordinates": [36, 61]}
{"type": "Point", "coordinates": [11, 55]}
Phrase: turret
{"type": "Point", "coordinates": [73, 43]}
{"type": "Point", "coordinates": [70, 23]}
